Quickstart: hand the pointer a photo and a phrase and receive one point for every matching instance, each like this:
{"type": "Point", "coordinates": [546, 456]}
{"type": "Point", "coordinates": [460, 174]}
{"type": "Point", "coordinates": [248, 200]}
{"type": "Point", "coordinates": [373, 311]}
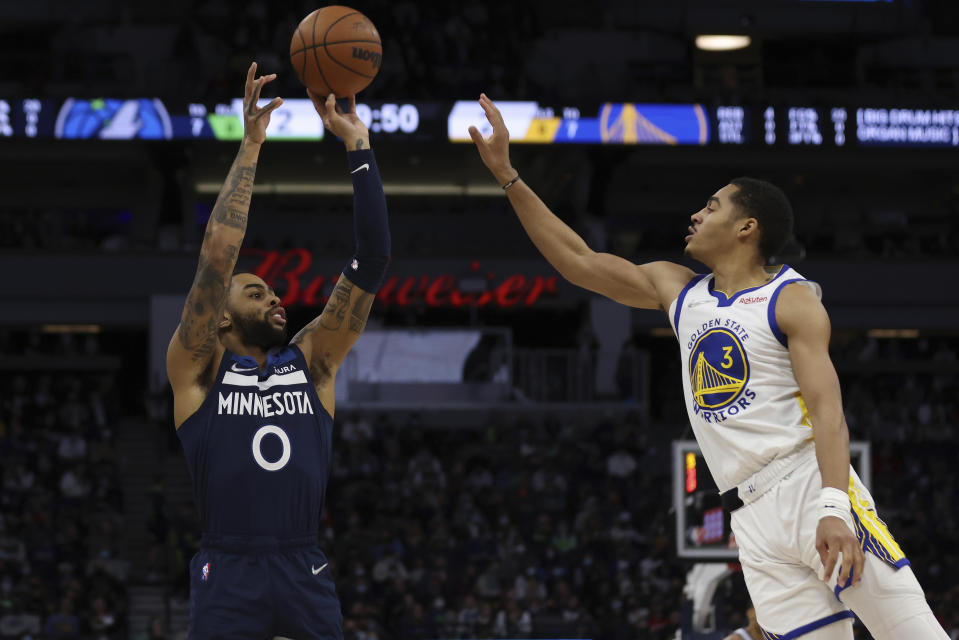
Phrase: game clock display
{"type": "Point", "coordinates": [296, 119]}
{"type": "Point", "coordinates": [608, 123]}
{"type": "Point", "coordinates": [702, 525]}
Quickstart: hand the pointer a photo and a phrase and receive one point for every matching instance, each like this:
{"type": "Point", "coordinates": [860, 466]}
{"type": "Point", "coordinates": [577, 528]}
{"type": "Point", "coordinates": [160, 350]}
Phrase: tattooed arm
{"type": "Point", "coordinates": [326, 341]}
{"type": "Point", "coordinates": [194, 352]}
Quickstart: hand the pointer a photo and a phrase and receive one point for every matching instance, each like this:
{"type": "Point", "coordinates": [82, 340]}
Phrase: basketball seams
{"type": "Point", "coordinates": [326, 49]}
{"type": "Point", "coordinates": [316, 58]}
{"type": "Point", "coordinates": [370, 50]}
{"type": "Point", "coordinates": [302, 73]}
{"type": "Point", "coordinates": [314, 46]}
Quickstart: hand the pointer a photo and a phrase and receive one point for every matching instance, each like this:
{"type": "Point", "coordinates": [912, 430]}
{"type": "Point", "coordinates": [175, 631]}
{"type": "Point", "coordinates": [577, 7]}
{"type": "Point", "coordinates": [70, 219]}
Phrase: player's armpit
{"type": "Point", "coordinates": [653, 285]}
{"type": "Point", "coordinates": [327, 339]}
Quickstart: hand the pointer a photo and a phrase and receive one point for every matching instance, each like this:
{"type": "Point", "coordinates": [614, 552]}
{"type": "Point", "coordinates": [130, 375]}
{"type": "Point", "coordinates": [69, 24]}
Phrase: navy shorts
{"type": "Point", "coordinates": [255, 589]}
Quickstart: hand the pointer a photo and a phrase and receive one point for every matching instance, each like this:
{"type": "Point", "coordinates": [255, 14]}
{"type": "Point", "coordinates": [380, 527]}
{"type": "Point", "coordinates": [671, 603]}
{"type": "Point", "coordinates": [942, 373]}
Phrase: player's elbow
{"type": "Point", "coordinates": [830, 425]}
{"type": "Point", "coordinates": [579, 269]}
{"type": "Point", "coordinates": [219, 253]}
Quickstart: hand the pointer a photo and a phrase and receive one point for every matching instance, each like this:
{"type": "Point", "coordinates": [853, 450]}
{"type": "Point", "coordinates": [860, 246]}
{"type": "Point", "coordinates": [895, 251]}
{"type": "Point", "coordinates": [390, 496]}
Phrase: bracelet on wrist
{"type": "Point", "coordinates": [511, 182]}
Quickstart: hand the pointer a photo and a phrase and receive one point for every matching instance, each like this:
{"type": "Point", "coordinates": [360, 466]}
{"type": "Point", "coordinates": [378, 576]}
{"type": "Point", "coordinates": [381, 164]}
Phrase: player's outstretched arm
{"type": "Point", "coordinates": [648, 286]}
{"type": "Point", "coordinates": [326, 341]}
{"type": "Point", "coordinates": [194, 344]}
{"type": "Point", "coordinates": [804, 321]}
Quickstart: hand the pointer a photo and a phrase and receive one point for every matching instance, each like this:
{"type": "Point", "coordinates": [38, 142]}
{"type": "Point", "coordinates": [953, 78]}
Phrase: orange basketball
{"type": "Point", "coordinates": [336, 49]}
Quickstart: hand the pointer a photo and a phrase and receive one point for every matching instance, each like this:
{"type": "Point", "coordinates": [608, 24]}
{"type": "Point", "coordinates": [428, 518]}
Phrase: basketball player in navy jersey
{"type": "Point", "coordinates": [255, 413]}
{"type": "Point", "coordinates": [764, 401]}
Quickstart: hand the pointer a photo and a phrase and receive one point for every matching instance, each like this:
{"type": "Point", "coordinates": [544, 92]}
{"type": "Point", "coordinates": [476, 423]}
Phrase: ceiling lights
{"type": "Point", "coordinates": [722, 42]}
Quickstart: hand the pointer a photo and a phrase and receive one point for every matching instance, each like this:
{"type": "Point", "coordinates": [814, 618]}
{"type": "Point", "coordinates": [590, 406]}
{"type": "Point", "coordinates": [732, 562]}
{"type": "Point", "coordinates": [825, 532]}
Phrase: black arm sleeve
{"type": "Point", "coordinates": [371, 225]}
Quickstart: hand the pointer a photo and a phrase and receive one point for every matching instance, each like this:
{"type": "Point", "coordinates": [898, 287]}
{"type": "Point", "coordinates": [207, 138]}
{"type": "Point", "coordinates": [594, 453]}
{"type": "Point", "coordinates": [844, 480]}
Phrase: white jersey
{"type": "Point", "coordinates": [742, 397]}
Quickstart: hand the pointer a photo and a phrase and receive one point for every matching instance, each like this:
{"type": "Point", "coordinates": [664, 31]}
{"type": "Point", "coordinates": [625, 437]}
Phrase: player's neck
{"type": "Point", "coordinates": [732, 277]}
{"type": "Point", "coordinates": [238, 348]}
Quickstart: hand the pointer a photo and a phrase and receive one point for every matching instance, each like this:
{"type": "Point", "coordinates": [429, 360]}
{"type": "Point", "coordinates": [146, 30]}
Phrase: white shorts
{"type": "Point", "coordinates": [776, 534]}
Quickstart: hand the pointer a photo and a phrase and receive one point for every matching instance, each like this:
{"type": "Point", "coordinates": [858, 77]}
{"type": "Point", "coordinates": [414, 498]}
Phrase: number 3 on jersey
{"type": "Point", "coordinates": [265, 430]}
{"type": "Point", "coordinates": [727, 358]}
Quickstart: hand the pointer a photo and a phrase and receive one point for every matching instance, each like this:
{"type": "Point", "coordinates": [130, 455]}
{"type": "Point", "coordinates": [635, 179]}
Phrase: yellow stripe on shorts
{"type": "Point", "coordinates": [806, 422]}
{"type": "Point", "coordinates": [873, 533]}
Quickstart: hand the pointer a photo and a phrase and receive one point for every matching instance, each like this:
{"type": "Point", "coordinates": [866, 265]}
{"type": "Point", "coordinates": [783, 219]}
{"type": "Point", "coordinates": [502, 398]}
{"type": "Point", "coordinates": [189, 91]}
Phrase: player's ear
{"type": "Point", "coordinates": [748, 225]}
{"type": "Point", "coordinates": [226, 322]}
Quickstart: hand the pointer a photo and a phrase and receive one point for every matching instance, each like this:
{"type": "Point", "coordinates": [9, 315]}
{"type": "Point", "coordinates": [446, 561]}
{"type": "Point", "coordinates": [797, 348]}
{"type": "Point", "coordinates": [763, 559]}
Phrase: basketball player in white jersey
{"type": "Point", "coordinates": [764, 402]}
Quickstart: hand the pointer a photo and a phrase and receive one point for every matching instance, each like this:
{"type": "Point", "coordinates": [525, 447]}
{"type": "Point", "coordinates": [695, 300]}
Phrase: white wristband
{"type": "Point", "coordinates": [833, 502]}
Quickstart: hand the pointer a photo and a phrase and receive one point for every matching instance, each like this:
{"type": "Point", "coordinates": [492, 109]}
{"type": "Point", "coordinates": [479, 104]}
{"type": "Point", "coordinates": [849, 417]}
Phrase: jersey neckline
{"type": "Point", "coordinates": [275, 357]}
{"type": "Point", "coordinates": [724, 301]}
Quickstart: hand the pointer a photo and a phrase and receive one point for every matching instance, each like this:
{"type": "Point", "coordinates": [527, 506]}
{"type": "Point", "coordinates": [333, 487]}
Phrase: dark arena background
{"type": "Point", "coordinates": [511, 455]}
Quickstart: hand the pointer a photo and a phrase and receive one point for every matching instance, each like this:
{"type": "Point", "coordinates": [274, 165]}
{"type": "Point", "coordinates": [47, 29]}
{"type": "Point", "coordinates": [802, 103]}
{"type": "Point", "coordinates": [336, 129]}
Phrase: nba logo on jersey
{"type": "Point", "coordinates": [205, 574]}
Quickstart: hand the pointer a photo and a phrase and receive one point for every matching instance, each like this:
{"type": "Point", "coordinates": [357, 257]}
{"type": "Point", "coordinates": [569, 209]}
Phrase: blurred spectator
{"type": "Point", "coordinates": [60, 570]}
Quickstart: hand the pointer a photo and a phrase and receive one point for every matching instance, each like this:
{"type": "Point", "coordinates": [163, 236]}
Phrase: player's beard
{"type": "Point", "coordinates": [259, 332]}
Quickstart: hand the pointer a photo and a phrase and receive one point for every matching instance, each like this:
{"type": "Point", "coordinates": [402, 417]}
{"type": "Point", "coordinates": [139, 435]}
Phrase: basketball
{"type": "Point", "coordinates": [336, 49]}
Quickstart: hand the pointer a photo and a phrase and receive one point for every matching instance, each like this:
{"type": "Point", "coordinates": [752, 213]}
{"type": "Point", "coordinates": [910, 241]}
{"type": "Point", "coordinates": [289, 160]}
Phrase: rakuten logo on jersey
{"type": "Point", "coordinates": [753, 299]}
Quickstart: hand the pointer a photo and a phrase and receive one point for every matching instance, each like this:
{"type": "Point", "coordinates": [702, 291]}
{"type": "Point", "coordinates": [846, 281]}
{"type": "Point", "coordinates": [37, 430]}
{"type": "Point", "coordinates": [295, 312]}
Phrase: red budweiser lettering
{"type": "Point", "coordinates": [288, 271]}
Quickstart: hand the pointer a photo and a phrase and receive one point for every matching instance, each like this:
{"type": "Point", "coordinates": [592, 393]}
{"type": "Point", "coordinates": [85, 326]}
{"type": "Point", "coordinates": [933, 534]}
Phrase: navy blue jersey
{"type": "Point", "coordinates": [259, 449]}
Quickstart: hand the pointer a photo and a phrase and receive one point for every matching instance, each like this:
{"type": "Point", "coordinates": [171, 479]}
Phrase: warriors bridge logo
{"type": "Point", "coordinates": [718, 370]}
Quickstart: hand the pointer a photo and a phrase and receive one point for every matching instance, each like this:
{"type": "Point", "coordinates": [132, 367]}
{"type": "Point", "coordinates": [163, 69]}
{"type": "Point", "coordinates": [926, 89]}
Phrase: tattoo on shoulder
{"type": "Point", "coordinates": [360, 312]}
{"type": "Point", "coordinates": [335, 310]}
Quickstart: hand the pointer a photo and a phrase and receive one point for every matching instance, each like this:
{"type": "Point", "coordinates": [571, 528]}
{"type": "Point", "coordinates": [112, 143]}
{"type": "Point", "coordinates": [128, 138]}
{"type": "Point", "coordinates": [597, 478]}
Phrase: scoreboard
{"type": "Point", "coordinates": [702, 525]}
{"type": "Point", "coordinates": [701, 125]}
{"type": "Point", "coordinates": [609, 123]}
{"type": "Point", "coordinates": [152, 119]}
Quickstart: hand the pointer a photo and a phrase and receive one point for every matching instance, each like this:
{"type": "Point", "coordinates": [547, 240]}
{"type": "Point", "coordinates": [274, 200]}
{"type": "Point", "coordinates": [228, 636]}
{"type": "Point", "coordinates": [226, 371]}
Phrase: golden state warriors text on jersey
{"type": "Point", "coordinates": [719, 370]}
{"type": "Point", "coordinates": [741, 395]}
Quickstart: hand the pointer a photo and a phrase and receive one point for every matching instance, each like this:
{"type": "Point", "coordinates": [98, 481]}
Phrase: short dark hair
{"type": "Point", "coordinates": [768, 204]}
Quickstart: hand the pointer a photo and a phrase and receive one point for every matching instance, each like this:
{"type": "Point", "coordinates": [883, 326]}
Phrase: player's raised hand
{"type": "Point", "coordinates": [256, 120]}
{"type": "Point", "coordinates": [833, 536]}
{"type": "Point", "coordinates": [494, 150]}
{"type": "Point", "coordinates": [347, 126]}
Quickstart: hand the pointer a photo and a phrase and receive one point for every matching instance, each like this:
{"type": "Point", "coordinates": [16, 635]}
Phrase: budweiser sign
{"type": "Point", "coordinates": [288, 271]}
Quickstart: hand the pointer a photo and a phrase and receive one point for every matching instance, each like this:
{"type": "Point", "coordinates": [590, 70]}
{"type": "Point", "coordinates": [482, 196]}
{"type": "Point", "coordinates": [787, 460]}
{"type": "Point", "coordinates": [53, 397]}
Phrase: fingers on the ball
{"type": "Point", "coordinates": [353, 103]}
